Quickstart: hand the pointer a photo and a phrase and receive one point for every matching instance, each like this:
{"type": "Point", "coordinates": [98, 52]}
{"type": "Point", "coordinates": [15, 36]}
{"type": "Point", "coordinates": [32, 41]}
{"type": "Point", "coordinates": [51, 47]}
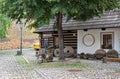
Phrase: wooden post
{"type": "Point", "coordinates": [104, 59]}
{"type": "Point", "coordinates": [41, 39]}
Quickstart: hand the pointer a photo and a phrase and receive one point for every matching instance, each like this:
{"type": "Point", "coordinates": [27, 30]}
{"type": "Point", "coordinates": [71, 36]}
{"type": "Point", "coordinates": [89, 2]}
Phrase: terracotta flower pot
{"type": "Point", "coordinates": [49, 50]}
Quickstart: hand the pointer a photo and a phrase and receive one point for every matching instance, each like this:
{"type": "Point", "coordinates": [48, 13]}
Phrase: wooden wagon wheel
{"type": "Point", "coordinates": [69, 51]}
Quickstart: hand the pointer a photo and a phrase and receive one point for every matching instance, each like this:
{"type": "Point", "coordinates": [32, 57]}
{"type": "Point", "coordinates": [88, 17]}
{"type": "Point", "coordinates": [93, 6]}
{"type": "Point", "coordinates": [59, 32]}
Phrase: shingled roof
{"type": "Point", "coordinates": [109, 19]}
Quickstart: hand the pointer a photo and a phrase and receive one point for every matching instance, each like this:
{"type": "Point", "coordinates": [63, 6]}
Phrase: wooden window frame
{"type": "Point", "coordinates": [101, 39]}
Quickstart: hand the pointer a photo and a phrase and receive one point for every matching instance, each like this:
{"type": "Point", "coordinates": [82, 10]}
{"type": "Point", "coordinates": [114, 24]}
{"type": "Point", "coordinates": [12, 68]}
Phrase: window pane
{"type": "Point", "coordinates": [107, 41]}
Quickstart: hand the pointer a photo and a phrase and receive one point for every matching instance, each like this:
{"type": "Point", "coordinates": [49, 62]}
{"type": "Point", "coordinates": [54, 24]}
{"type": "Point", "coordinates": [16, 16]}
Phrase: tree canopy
{"type": "Point", "coordinates": [41, 11]}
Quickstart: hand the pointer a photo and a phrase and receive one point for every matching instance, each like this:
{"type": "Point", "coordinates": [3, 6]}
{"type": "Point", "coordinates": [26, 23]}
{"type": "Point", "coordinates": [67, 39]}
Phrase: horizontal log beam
{"type": "Point", "coordinates": [105, 59]}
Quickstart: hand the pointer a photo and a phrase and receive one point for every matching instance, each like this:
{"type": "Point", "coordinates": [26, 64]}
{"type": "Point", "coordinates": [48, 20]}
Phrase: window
{"type": "Point", "coordinates": [106, 40]}
{"type": "Point", "coordinates": [44, 43]}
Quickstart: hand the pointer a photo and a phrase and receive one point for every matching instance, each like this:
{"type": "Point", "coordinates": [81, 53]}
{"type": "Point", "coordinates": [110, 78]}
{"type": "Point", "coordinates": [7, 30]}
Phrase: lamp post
{"type": "Point", "coordinates": [20, 24]}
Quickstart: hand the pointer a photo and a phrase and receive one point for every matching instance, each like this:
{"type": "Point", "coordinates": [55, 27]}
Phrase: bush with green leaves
{"type": "Point", "coordinates": [5, 23]}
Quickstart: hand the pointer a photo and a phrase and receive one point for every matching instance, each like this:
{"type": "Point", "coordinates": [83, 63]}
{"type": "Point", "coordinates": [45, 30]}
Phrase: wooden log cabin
{"type": "Point", "coordinates": [51, 38]}
{"type": "Point", "coordinates": [87, 36]}
{"type": "Point", "coordinates": [70, 36]}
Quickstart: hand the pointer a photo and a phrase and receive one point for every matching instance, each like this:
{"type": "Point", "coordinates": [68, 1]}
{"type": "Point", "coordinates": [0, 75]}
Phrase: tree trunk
{"type": "Point", "coordinates": [60, 36]}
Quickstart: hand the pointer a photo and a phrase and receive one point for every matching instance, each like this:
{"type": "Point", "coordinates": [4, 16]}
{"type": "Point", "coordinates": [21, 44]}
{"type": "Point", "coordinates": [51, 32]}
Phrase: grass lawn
{"type": "Point", "coordinates": [57, 64]}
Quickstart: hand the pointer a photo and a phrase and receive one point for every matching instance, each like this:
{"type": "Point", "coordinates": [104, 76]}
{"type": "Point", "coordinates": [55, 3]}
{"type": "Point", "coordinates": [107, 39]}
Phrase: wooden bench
{"type": "Point", "coordinates": [105, 59]}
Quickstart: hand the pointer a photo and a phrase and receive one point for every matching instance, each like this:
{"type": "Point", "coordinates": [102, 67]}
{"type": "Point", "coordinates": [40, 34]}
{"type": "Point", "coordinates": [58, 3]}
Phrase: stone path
{"type": "Point", "coordinates": [97, 70]}
{"type": "Point", "coordinates": [58, 73]}
{"type": "Point", "coordinates": [10, 68]}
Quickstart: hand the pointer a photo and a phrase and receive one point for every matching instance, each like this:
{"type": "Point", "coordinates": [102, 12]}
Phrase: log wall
{"type": "Point", "coordinates": [70, 39]}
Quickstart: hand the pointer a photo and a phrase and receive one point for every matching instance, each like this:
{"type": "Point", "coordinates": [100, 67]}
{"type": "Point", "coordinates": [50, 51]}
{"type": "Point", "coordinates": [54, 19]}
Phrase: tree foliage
{"type": "Point", "coordinates": [5, 23]}
{"type": "Point", "coordinates": [43, 10]}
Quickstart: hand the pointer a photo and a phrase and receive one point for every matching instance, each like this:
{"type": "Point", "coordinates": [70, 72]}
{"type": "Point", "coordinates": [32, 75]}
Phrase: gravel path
{"type": "Point", "coordinates": [11, 69]}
